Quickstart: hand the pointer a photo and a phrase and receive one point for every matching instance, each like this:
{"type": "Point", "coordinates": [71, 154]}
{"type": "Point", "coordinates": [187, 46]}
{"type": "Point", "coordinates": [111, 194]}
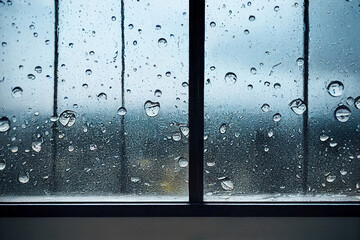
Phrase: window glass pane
{"type": "Point", "coordinates": [260, 144]}
{"type": "Point", "coordinates": [334, 98]}
{"type": "Point", "coordinates": [121, 101]}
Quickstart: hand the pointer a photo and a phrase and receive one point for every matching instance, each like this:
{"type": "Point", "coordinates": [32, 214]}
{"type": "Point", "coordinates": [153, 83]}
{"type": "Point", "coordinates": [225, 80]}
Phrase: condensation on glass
{"type": "Point", "coordinates": [263, 141]}
{"type": "Point", "coordinates": [114, 125]}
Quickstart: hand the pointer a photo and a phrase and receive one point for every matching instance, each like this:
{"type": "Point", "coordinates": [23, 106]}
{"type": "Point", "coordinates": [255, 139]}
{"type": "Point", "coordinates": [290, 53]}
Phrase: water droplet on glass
{"type": "Point", "coordinates": [335, 88]}
{"type": "Point", "coordinates": [71, 148]}
{"type": "Point", "coordinates": [330, 178]}
{"type": "Point", "coordinates": [122, 111]}
{"type": "Point", "coordinates": [342, 113]}
{"type": "Point", "coordinates": [252, 18]}
{"type": "Point", "coordinates": [135, 179]}
{"type": "Point", "coordinates": [67, 118]}
{"type": "Point", "coordinates": [3, 44]}
{"type": "Point", "coordinates": [222, 128]}
{"type": "Point", "coordinates": [343, 172]}
{"type": "Point", "coordinates": [270, 133]}
{"type": "Point", "coordinates": [23, 177]}
{"type": "Point", "coordinates": [17, 92]}
{"type": "Point", "coordinates": [4, 124]}
{"type": "Point", "coordinates": [31, 27]}
{"type": "Point", "coordinates": [212, 24]}
{"type": "Point", "coordinates": [230, 78]}
{"type": "Point", "coordinates": [135, 43]}
{"type": "Point", "coordinates": [93, 147]}
{"type": "Point", "coordinates": [350, 101]}
{"type": "Point", "coordinates": [276, 8]}
{"type": "Point", "coordinates": [300, 62]}
{"type": "Point", "coordinates": [183, 162]}
{"type": "Point", "coordinates": [333, 144]}
{"type": "Point", "coordinates": [36, 146]}
{"type": "Point", "coordinates": [88, 72]}
{"type": "Point", "coordinates": [246, 31]}
{"type": "Point", "coordinates": [185, 130]}
{"type": "Point", "coordinates": [152, 108]}
{"type": "Point", "coordinates": [2, 164]}
{"type": "Point", "coordinates": [298, 106]}
{"type": "Point", "coordinates": [277, 85]}
{"type": "Point", "coordinates": [14, 149]}
{"type": "Point", "coordinates": [250, 87]}
{"type": "Point", "coordinates": [168, 74]}
{"type": "Point", "coordinates": [357, 102]}
{"type": "Point", "coordinates": [277, 117]}
{"type": "Point", "coordinates": [266, 84]}
{"type": "Point", "coordinates": [253, 70]}
{"type": "Point", "coordinates": [162, 42]}
{"type": "Point", "coordinates": [176, 136]}
{"type": "Point", "coordinates": [227, 184]}
{"type": "Point", "coordinates": [102, 96]}
{"type": "Point", "coordinates": [157, 27]}
{"type": "Point", "coordinates": [47, 42]}
{"type": "Point", "coordinates": [113, 18]}
{"type": "Point", "coordinates": [324, 137]}
{"type": "Point", "coordinates": [36, 34]}
{"type": "Point", "coordinates": [266, 148]}
{"type": "Point", "coordinates": [31, 76]}
{"type": "Point", "coordinates": [157, 93]}
{"type": "Point", "coordinates": [130, 26]}
{"type": "Point", "coordinates": [265, 107]}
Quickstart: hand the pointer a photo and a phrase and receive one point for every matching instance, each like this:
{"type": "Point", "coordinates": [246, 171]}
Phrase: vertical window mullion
{"type": "Point", "coordinates": [196, 99]}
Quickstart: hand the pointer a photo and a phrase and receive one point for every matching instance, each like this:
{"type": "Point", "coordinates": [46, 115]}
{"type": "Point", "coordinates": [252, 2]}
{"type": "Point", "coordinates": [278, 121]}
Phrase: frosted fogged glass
{"type": "Point", "coordinates": [121, 130]}
{"type": "Point", "coordinates": [254, 70]}
{"type": "Point", "coordinates": [334, 98]}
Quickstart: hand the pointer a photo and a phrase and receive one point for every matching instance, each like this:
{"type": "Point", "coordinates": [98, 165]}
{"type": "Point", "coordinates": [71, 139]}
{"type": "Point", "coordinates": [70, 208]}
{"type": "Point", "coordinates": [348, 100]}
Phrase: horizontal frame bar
{"type": "Point", "coordinates": [323, 209]}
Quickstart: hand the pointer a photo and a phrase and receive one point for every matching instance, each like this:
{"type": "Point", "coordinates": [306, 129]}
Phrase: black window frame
{"type": "Point", "coordinates": [195, 207]}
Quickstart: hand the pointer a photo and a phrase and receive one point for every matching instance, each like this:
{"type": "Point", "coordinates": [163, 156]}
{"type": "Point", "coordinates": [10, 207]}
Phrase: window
{"type": "Point", "coordinates": [151, 101]}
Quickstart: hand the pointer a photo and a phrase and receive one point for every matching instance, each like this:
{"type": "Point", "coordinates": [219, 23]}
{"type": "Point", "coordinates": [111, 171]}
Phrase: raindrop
{"type": "Point", "coordinates": [230, 78]}
{"type": "Point", "coordinates": [335, 88]}
{"type": "Point", "coordinates": [222, 128]}
{"type": "Point", "coordinates": [135, 43]}
{"type": "Point", "coordinates": [324, 137]}
{"type": "Point", "coordinates": [252, 18]}
{"type": "Point", "coordinates": [277, 117]}
{"type": "Point", "coordinates": [298, 106]}
{"type": "Point", "coordinates": [31, 76]}
{"type": "Point", "coordinates": [113, 18]}
{"type": "Point", "coordinates": [101, 96]}
{"type": "Point", "coordinates": [250, 87]}
{"type": "Point", "coordinates": [357, 102]}
{"type": "Point", "coordinates": [23, 177]}
{"type": "Point", "coordinates": [36, 34]}
{"type": "Point", "coordinates": [17, 92]}
{"type": "Point", "coordinates": [271, 133]}
{"type": "Point", "coordinates": [47, 42]}
{"type": "Point", "coordinates": [130, 26]}
{"type": "Point", "coordinates": [152, 108]}
{"type": "Point", "coordinates": [246, 31]}
{"type": "Point", "coordinates": [176, 136]}
{"type": "Point", "coordinates": [212, 24]}
{"type": "Point", "coordinates": [3, 44]}
{"type": "Point", "coordinates": [168, 74]}
{"type": "Point", "coordinates": [31, 27]}
{"type": "Point", "coordinates": [343, 172]}
{"type": "Point", "coordinates": [342, 113]}
{"type": "Point", "coordinates": [93, 147]}
{"type": "Point", "coordinates": [67, 118]}
{"type": "Point", "coordinates": [85, 86]}
{"type": "Point", "coordinates": [265, 107]}
{"type": "Point", "coordinates": [88, 72]}
{"type": "Point", "coordinates": [4, 124]}
{"type": "Point", "coordinates": [276, 8]}
{"type": "Point", "coordinates": [185, 130]}
{"type": "Point", "coordinates": [333, 144]}
{"type": "Point", "coordinates": [350, 101]}
{"type": "Point", "coordinates": [266, 84]}
{"type": "Point", "coordinates": [162, 42]}
{"type": "Point", "coordinates": [157, 93]}
{"type": "Point", "coordinates": [71, 148]}
{"type": "Point", "coordinates": [330, 178]}
{"type": "Point", "coordinates": [300, 62]}
{"type": "Point", "coordinates": [277, 85]}
{"type": "Point", "coordinates": [53, 118]}
{"type": "Point", "coordinates": [135, 179]}
{"type": "Point", "coordinates": [14, 149]}
{"type": "Point", "coordinates": [227, 184]}
{"type": "Point", "coordinates": [157, 27]}
{"type": "Point", "coordinates": [36, 146]}
{"type": "Point", "coordinates": [91, 53]}
{"type": "Point", "coordinates": [2, 164]}
{"type": "Point", "coordinates": [212, 68]}
{"type": "Point", "coordinates": [122, 111]}
{"type": "Point", "coordinates": [253, 70]}
{"type": "Point", "coordinates": [183, 162]}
